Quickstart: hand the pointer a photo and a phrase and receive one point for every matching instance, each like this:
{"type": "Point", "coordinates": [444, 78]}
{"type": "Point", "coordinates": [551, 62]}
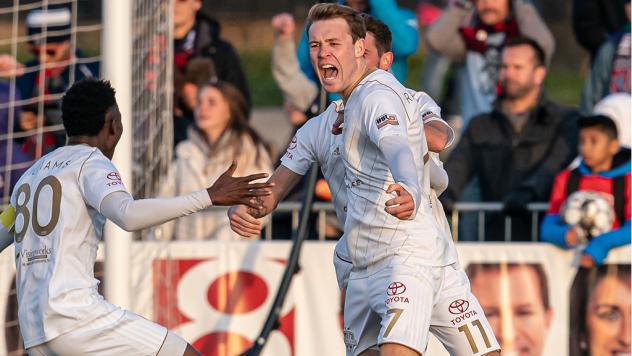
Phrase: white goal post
{"type": "Point", "coordinates": [137, 57]}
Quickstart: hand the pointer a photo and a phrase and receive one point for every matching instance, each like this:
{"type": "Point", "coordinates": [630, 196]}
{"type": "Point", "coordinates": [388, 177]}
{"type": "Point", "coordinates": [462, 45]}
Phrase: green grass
{"type": "Point", "coordinates": [263, 89]}
{"type": "Point", "coordinates": [415, 64]}
{"type": "Point", "coordinates": [562, 85]}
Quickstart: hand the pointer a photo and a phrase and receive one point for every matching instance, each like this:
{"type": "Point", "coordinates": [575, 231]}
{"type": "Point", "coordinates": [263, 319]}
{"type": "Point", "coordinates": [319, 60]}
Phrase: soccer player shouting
{"type": "Point", "coordinates": [405, 281]}
{"type": "Point", "coordinates": [314, 142]}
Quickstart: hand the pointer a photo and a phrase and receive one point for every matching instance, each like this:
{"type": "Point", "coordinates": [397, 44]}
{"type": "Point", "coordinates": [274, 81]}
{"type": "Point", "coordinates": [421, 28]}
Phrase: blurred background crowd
{"type": "Point", "coordinates": [538, 93]}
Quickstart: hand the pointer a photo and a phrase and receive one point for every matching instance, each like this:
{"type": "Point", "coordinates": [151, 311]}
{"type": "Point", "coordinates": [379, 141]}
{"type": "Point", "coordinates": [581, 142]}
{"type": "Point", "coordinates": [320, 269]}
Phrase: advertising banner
{"type": "Point", "coordinates": [218, 294]}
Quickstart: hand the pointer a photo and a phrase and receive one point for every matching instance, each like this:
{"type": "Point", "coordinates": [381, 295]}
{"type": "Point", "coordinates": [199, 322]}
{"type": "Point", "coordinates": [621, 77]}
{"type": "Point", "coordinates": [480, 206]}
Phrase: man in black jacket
{"type": "Point", "coordinates": [518, 147]}
{"type": "Point", "coordinates": [595, 20]}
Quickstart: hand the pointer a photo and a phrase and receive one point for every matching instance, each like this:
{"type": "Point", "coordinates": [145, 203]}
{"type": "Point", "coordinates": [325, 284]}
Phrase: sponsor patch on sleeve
{"type": "Point", "coordinates": [428, 115]}
{"type": "Point", "coordinates": [386, 119]}
{"type": "Point", "coordinates": [289, 153]}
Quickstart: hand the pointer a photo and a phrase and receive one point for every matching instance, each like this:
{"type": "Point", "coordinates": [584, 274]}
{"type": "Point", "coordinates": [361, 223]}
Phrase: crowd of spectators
{"type": "Point", "coordinates": [516, 148]}
{"type": "Point", "coordinates": [513, 139]}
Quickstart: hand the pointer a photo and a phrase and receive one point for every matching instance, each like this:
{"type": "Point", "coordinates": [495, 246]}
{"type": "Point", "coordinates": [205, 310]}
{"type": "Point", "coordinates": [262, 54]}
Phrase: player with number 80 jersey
{"type": "Point", "coordinates": [43, 236]}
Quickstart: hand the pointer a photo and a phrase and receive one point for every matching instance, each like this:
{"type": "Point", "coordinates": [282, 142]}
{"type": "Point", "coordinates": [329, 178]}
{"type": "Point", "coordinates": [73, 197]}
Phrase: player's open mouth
{"type": "Point", "coordinates": [328, 72]}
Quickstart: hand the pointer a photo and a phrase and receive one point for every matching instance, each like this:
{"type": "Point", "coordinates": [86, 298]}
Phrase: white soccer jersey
{"type": "Point", "coordinates": [57, 228]}
{"type": "Point", "coordinates": [314, 142]}
{"type": "Point", "coordinates": [379, 107]}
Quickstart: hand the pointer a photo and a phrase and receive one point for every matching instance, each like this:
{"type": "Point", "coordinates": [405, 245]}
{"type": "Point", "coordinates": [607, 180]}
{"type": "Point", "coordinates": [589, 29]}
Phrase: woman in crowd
{"type": "Point", "coordinates": [220, 135]}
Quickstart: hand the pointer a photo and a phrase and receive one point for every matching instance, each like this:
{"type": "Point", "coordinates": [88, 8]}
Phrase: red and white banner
{"type": "Point", "coordinates": [217, 296]}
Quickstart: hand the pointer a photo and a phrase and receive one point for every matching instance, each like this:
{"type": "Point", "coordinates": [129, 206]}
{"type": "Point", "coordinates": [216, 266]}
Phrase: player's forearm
{"type": "Point", "coordinates": [439, 135]}
{"type": "Point", "coordinates": [399, 157]}
{"type": "Point", "coordinates": [268, 204]}
{"type": "Point", "coordinates": [133, 215]}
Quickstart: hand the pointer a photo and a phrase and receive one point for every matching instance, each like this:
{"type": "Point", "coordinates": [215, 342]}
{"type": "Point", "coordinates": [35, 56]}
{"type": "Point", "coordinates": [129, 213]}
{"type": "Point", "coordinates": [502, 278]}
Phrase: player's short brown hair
{"type": "Point", "coordinates": [379, 30]}
{"type": "Point", "coordinates": [328, 11]}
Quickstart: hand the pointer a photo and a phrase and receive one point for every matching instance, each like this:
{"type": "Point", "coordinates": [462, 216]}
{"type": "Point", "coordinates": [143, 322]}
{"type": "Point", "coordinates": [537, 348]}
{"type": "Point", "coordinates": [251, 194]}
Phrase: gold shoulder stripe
{"type": "Point", "coordinates": [8, 217]}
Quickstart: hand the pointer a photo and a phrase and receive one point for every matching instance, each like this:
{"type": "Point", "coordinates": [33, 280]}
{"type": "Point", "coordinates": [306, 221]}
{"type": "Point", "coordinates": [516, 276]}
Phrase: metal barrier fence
{"type": "Point", "coordinates": [321, 209]}
{"type": "Point", "coordinates": [483, 207]}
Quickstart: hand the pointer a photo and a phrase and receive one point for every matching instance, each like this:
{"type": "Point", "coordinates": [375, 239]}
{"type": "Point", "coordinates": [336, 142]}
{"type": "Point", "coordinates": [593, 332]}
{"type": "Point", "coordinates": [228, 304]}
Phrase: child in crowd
{"type": "Point", "coordinates": [604, 168]}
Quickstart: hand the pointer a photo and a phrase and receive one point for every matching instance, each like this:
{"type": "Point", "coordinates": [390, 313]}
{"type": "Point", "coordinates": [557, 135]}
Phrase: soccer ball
{"type": "Point", "coordinates": [589, 210]}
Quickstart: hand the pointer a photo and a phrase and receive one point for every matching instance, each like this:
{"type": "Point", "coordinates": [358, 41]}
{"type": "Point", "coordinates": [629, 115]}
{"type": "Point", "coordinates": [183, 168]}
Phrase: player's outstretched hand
{"type": "Point", "coordinates": [243, 223]}
{"type": "Point", "coordinates": [402, 206]}
{"type": "Point", "coordinates": [228, 190]}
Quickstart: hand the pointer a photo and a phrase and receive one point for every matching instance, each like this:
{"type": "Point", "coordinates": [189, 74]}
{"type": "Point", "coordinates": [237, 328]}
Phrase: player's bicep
{"type": "Point", "coordinates": [303, 148]}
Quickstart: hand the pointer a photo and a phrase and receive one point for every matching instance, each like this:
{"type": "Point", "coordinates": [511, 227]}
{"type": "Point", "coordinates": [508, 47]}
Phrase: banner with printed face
{"type": "Point", "coordinates": [217, 296]}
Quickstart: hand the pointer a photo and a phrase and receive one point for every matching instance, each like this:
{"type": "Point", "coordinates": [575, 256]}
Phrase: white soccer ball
{"type": "Point", "coordinates": [589, 210]}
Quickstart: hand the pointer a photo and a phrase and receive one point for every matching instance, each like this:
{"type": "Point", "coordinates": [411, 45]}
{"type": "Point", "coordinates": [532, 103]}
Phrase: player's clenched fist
{"type": "Point", "coordinates": [283, 25]}
{"type": "Point", "coordinates": [228, 190]}
{"type": "Point", "coordinates": [242, 222]}
{"type": "Point", "coordinates": [402, 206]}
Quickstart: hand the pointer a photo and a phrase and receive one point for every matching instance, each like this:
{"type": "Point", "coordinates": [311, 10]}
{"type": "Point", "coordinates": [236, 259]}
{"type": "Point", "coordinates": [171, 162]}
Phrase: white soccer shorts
{"type": "Point", "coordinates": [343, 269]}
{"type": "Point", "coordinates": [401, 303]}
{"type": "Point", "coordinates": [118, 333]}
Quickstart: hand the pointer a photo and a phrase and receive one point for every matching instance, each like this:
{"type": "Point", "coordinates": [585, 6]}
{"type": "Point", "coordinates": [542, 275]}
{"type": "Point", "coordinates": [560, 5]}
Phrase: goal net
{"type": "Point", "coordinates": [59, 46]}
{"type": "Point", "coordinates": [152, 90]}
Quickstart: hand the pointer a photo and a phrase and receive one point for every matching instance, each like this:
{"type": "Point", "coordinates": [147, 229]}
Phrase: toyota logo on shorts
{"type": "Point", "coordinates": [395, 288]}
{"type": "Point", "coordinates": [459, 306]}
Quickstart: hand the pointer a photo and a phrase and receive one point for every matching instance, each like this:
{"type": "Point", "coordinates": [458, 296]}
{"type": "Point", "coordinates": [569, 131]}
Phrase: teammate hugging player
{"type": "Point", "coordinates": [406, 280]}
{"type": "Point", "coordinates": [314, 142]}
{"type": "Point", "coordinates": [56, 219]}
